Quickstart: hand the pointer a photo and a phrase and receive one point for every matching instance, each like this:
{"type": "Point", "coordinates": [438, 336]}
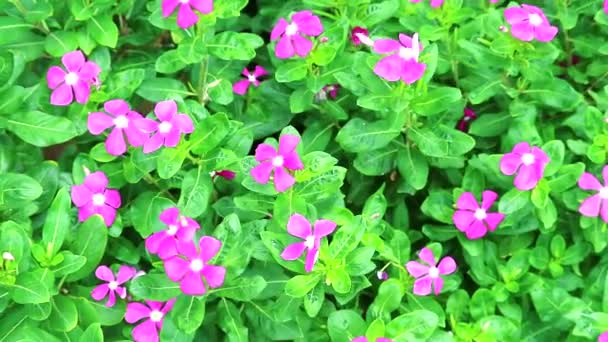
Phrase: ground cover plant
{"type": "Point", "coordinates": [306, 170]}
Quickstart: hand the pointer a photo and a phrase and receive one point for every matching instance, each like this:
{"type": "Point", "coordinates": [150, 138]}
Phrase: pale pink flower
{"type": "Point", "coordinates": [168, 132]}
{"type": "Point", "coordinates": [112, 287]}
{"type": "Point", "coordinates": [242, 86]}
{"type": "Point", "coordinates": [186, 16]}
{"type": "Point", "coordinates": [428, 278]}
{"type": "Point", "coordinates": [529, 22]}
{"type": "Point", "coordinates": [596, 205]}
{"type": "Point", "coordinates": [292, 40]}
{"type": "Point", "coordinates": [286, 159]}
{"type": "Point", "coordinates": [299, 226]}
{"type": "Point", "coordinates": [528, 163]}
{"type": "Point", "coordinates": [153, 314]}
{"type": "Point", "coordinates": [474, 220]}
{"type": "Point", "coordinates": [93, 197]}
{"type": "Point", "coordinates": [402, 61]}
{"type": "Point", "coordinates": [434, 3]}
{"type": "Point", "coordinates": [179, 228]}
{"type": "Point", "coordinates": [76, 82]}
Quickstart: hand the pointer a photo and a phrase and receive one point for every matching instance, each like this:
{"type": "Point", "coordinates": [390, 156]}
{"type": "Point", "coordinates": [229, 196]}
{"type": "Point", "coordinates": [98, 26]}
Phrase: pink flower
{"type": "Point", "coordinates": [429, 276]}
{"type": "Point", "coordinates": [606, 10]}
{"type": "Point", "coordinates": [434, 3]}
{"type": "Point", "coordinates": [360, 35]}
{"type": "Point", "coordinates": [180, 228]}
{"type": "Point", "coordinates": [188, 270]}
{"type": "Point", "coordinates": [226, 174]}
{"type": "Point", "coordinates": [474, 220]}
{"type": "Point", "coordinates": [597, 204]}
{"type": "Point", "coordinates": [382, 275]}
{"type": "Point", "coordinates": [299, 226]}
{"type": "Point", "coordinates": [170, 128]}
{"type": "Point", "coordinates": [76, 82]}
{"type": "Point", "coordinates": [125, 273]}
{"type": "Point", "coordinates": [242, 86]}
{"type": "Point", "coordinates": [153, 313]}
{"type": "Point", "coordinates": [122, 118]}
{"type": "Point", "coordinates": [286, 159]}
{"type": "Point", "coordinates": [92, 197]}
{"type": "Point", "coordinates": [529, 22]}
{"type": "Point", "coordinates": [364, 339]}
{"type": "Point", "coordinates": [528, 163]}
{"type": "Point", "coordinates": [292, 40]}
{"type": "Point", "coordinates": [186, 16]}
{"type": "Point", "coordinates": [403, 62]}
{"type": "Point", "coordinates": [604, 337]}
{"type": "Point", "coordinates": [328, 91]}
{"type": "Point", "coordinates": [469, 116]}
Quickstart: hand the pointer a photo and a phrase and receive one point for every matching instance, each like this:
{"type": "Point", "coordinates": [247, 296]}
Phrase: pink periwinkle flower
{"type": "Point", "coordinates": [597, 204]}
{"type": "Point", "coordinates": [434, 3]}
{"type": "Point", "coordinates": [364, 339]}
{"type": "Point", "coordinates": [604, 336]}
{"type": "Point", "coordinates": [328, 91]}
{"type": "Point", "coordinates": [429, 277]}
{"type": "Point", "coordinates": [179, 228]}
{"type": "Point", "coordinates": [112, 287]}
{"type": "Point", "coordinates": [242, 86]}
{"type": "Point", "coordinates": [299, 226]}
{"type": "Point", "coordinates": [76, 82]}
{"type": "Point", "coordinates": [153, 314]}
{"type": "Point", "coordinates": [170, 128]}
{"type": "Point", "coordinates": [122, 118]}
{"type": "Point", "coordinates": [190, 267]}
{"type": "Point", "coordinates": [402, 63]}
{"type": "Point", "coordinates": [226, 174]}
{"type": "Point", "coordinates": [185, 15]}
{"type": "Point", "coordinates": [529, 22]}
{"type": "Point", "coordinates": [93, 197]}
{"type": "Point", "coordinates": [292, 40]}
{"type": "Point", "coordinates": [473, 219]}
{"type": "Point", "coordinates": [467, 118]}
{"type": "Point", "coordinates": [382, 275]}
{"type": "Point", "coordinates": [360, 35]}
{"type": "Point", "coordinates": [528, 163]}
{"type": "Point", "coordinates": [285, 159]}
{"type": "Point", "coordinates": [606, 10]}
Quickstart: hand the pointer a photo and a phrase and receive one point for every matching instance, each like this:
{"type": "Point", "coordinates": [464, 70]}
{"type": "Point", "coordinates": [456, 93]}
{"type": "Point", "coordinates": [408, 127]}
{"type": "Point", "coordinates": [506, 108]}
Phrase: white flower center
{"type": "Point", "coordinates": [184, 1]}
{"type": "Point", "coordinates": [113, 285]}
{"type": "Point", "coordinates": [172, 229]}
{"type": "Point", "coordinates": [196, 265]}
{"type": "Point", "coordinates": [480, 214]}
{"type": "Point", "coordinates": [527, 159]}
{"type": "Point", "coordinates": [535, 19]}
{"type": "Point", "coordinates": [408, 53]}
{"type": "Point", "coordinates": [433, 272]}
{"type": "Point", "coordinates": [121, 121]}
{"type": "Point", "coordinates": [251, 78]}
{"type": "Point", "coordinates": [156, 316]}
{"type": "Point", "coordinates": [278, 161]}
{"type": "Point", "coordinates": [291, 29]}
{"type": "Point", "coordinates": [71, 78]}
{"type": "Point", "coordinates": [165, 127]}
{"type": "Point", "coordinates": [604, 193]}
{"type": "Point", "coordinates": [99, 200]}
{"type": "Point", "coordinates": [309, 242]}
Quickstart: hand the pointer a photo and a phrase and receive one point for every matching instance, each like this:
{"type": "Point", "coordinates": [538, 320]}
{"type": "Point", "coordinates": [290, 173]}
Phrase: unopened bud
{"type": "Point", "coordinates": [8, 256]}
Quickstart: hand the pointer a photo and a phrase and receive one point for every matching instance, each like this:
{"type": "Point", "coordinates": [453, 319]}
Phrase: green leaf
{"type": "Point", "coordinates": [359, 135]}
{"type": "Point", "coordinates": [343, 325]}
{"type": "Point", "coordinates": [339, 279]}
{"type": "Point", "coordinates": [300, 285]}
{"type": "Point", "coordinates": [490, 125]}
{"type": "Point", "coordinates": [41, 129]}
{"type": "Point", "coordinates": [230, 45]}
{"type": "Point", "coordinates": [242, 288]}
{"type": "Point", "coordinates": [387, 300]}
{"type": "Point", "coordinates": [555, 149]}
{"type": "Point", "coordinates": [513, 201]}
{"type": "Point", "coordinates": [196, 192]}
{"type": "Point", "coordinates": [154, 286]}
{"type": "Point", "coordinates": [413, 166]}
{"type": "Point", "coordinates": [554, 92]}
{"type": "Point", "coordinates": [209, 133]}
{"type": "Point", "coordinates": [292, 71]}
{"type": "Point", "coordinates": [33, 287]}
{"type": "Point", "coordinates": [417, 325]}
{"type": "Point", "coordinates": [70, 264]}
{"type": "Point", "coordinates": [17, 189]}
{"type": "Point", "coordinates": [64, 315]}
{"type": "Point", "coordinates": [482, 304]}
{"type": "Point", "coordinates": [160, 89]}
{"type": "Point", "coordinates": [443, 141]}
{"type": "Point", "coordinates": [103, 30]}
{"type": "Point", "coordinates": [436, 101]}
{"type": "Point", "coordinates": [60, 42]}
{"type": "Point", "coordinates": [231, 323]}
{"type": "Point", "coordinates": [313, 300]}
{"type": "Point", "coordinates": [170, 62]}
{"type": "Point", "coordinates": [92, 334]}
{"type": "Point", "coordinates": [145, 211]}
{"type": "Point", "coordinates": [170, 160]}
{"type": "Point", "coordinates": [90, 242]}
{"type": "Point", "coordinates": [346, 238]}
{"type": "Point", "coordinates": [57, 222]}
{"type": "Point", "coordinates": [438, 205]}
{"type": "Point", "coordinates": [188, 313]}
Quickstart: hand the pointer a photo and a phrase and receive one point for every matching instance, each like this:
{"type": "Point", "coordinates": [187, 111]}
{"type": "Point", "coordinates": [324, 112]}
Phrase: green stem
{"type": "Point", "coordinates": [150, 180]}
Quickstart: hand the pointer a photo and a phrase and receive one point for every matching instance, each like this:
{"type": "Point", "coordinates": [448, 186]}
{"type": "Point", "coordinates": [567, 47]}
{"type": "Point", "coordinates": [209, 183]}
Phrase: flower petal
{"type": "Point", "coordinates": [108, 213]}
{"type": "Point", "coordinates": [526, 178]}
{"type": "Point", "coordinates": [62, 95]}
{"type": "Point", "coordinates": [214, 275]}
{"type": "Point", "coordinates": [81, 195]}
{"type": "Point", "coordinates": [89, 71]}
{"type": "Point", "coordinates": [488, 198]}
{"type": "Point", "coordinates": [154, 241]}
{"type": "Point", "coordinates": [288, 144]}
{"type": "Point", "coordinates": [515, 15]}
{"type": "Point", "coordinates": [389, 68]}
{"type": "Point", "coordinates": [265, 152]}
{"type": "Point", "coordinates": [97, 182]}
{"type": "Point", "coordinates": [115, 144]}
{"type": "Point", "coordinates": [136, 311]}
{"type": "Point", "coordinates": [463, 219]}
{"type": "Point", "coordinates": [203, 6]}
{"type": "Point", "coordinates": [437, 285]}
{"type": "Point", "coordinates": [545, 33]}
{"type": "Point", "coordinates": [186, 17]}
{"type": "Point", "coordinates": [170, 216]}
{"type": "Point", "coordinates": [192, 284]}
{"type": "Point", "coordinates": [100, 292]}
{"type": "Point", "coordinates": [172, 138]}
{"type": "Point", "coordinates": [467, 201]}
{"type": "Point", "coordinates": [73, 61]}
{"type": "Point", "coordinates": [111, 299]}
{"type": "Point", "coordinates": [153, 144]}
{"type": "Point", "coordinates": [493, 220]}
{"type": "Point", "coordinates": [167, 248]}
{"type": "Point", "coordinates": [145, 332]}
{"type": "Point", "coordinates": [176, 268]}
{"type": "Point", "coordinates": [477, 230]}
{"type": "Point", "coordinates": [292, 161]}
{"type": "Point", "coordinates": [308, 23]}
{"type": "Point", "coordinates": [241, 87]}
{"type": "Point", "coordinates": [324, 228]}
{"type": "Point", "coordinates": [426, 255]}
{"type": "Point", "coordinates": [55, 76]}
{"type": "Point", "coordinates": [278, 29]}
{"type": "Point", "coordinates": [386, 46]}
{"type": "Point", "coordinates": [416, 269]}
{"type": "Point", "coordinates": [98, 122]}
{"type": "Point", "coordinates": [299, 226]}
{"type": "Point", "coordinates": [423, 286]}
{"type": "Point", "coordinates": [523, 31]}
{"type": "Point", "coordinates": [293, 251]}
{"type": "Point", "coordinates": [311, 259]}
{"type": "Point", "coordinates": [284, 48]}
{"type": "Point", "coordinates": [125, 273]}
{"type": "Point", "coordinates": [283, 180]}
{"type": "Point", "coordinates": [259, 71]}
{"type": "Point", "coordinates": [168, 6]}
{"type": "Point", "coordinates": [261, 173]}
{"type": "Point", "coordinates": [509, 163]}
{"type": "Point", "coordinates": [183, 123]}
{"type": "Point", "coordinates": [209, 247]}
{"type": "Point", "coordinates": [165, 110]}
{"type": "Point", "coordinates": [447, 265]}
{"type": "Point", "coordinates": [82, 90]}
{"type": "Point", "coordinates": [302, 45]}
{"type": "Point", "coordinates": [412, 71]}
{"type": "Point", "coordinates": [591, 206]}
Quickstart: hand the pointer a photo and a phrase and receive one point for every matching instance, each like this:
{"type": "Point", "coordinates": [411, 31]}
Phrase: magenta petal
{"type": "Point", "coordinates": [241, 87]}
{"type": "Point", "coordinates": [121, 291]}
{"type": "Point", "coordinates": [209, 247]}
{"type": "Point", "coordinates": [412, 71]}
{"type": "Point", "coordinates": [115, 144]}
{"type": "Point", "coordinates": [55, 76]}
{"type": "Point", "coordinates": [360, 339]}
{"type": "Point", "coordinates": [463, 219]}
{"type": "Point", "coordinates": [82, 90]}
{"type": "Point", "coordinates": [523, 31]}
{"type": "Point", "coordinates": [509, 163]}
{"type": "Point", "coordinates": [113, 198]}
{"type": "Point", "coordinates": [186, 17]}
{"type": "Point", "coordinates": [488, 198]}
{"type": "Point", "coordinates": [308, 23]}
{"type": "Point", "coordinates": [168, 305]}
{"type": "Point", "coordinates": [135, 137]}
{"type": "Point", "coordinates": [62, 96]}
{"type": "Point", "coordinates": [125, 273]}
{"type": "Point", "coordinates": [192, 284]}
{"type": "Point", "coordinates": [299, 226]}
{"type": "Point", "coordinates": [389, 68]}
{"type": "Point", "coordinates": [111, 299]}
{"type": "Point", "coordinates": [545, 33]}
{"type": "Point", "coordinates": [89, 71]}
{"type": "Point", "coordinates": [169, 216]}
{"type": "Point", "coordinates": [214, 275]}
{"type": "Point", "coordinates": [100, 292]}
{"type": "Point", "coordinates": [104, 273]}
{"type": "Point", "coordinates": [81, 195]}
{"type": "Point", "coordinates": [176, 268]}
{"type": "Point", "coordinates": [423, 286]}
{"type": "Point", "coordinates": [146, 125]}
{"type": "Point", "coordinates": [279, 29]}
{"type": "Point", "coordinates": [426, 255]}
{"type": "Point", "coordinates": [288, 143]}
{"type": "Point", "coordinates": [265, 152]}
{"type": "Point", "coordinates": [605, 174]}
{"type": "Point", "coordinates": [526, 178]}
{"type": "Point", "coordinates": [165, 110]}
{"type": "Point", "coordinates": [261, 173]}
{"type": "Point", "coordinates": [153, 144]}
{"type": "Point", "coordinates": [203, 6]}
{"type": "Point", "coordinates": [292, 161]}
{"type": "Point", "coordinates": [589, 182]}
{"type": "Point", "coordinates": [405, 40]}
{"type": "Point", "coordinates": [96, 181]}
{"type": "Point", "coordinates": [476, 230]}
{"type": "Point", "coordinates": [168, 6]}
{"type": "Point", "coordinates": [145, 332]}
{"type": "Point", "coordinates": [416, 269]}
{"type": "Point", "coordinates": [515, 15]}
{"type": "Point", "coordinates": [172, 138]}
{"type": "Point", "coordinates": [136, 311]}
{"type": "Point", "coordinates": [282, 179]}
{"type": "Point", "coordinates": [493, 220]}
{"type": "Point", "coordinates": [116, 107]}
{"type": "Point", "coordinates": [447, 265]}
{"type": "Point", "coordinates": [259, 71]}
{"type": "Point", "coordinates": [86, 211]}
{"type": "Point", "coordinates": [284, 48]}
{"type": "Point", "coordinates": [383, 46]}
{"type": "Point", "coordinates": [311, 259]}
{"type": "Point", "coordinates": [73, 61]}
{"type": "Point", "coordinates": [591, 206]}
{"type": "Point", "coordinates": [604, 337]}
{"type": "Point", "coordinates": [293, 251]}
{"type": "Point", "coordinates": [188, 249]}
{"type": "Point", "coordinates": [153, 241]}
{"type": "Point", "coordinates": [437, 285]}
{"type": "Point", "coordinates": [324, 228]}
{"type": "Point", "coordinates": [167, 248]}
{"type": "Point", "coordinates": [467, 201]}
{"type": "Point", "coordinates": [302, 45]}
{"type": "Point", "coordinates": [108, 213]}
{"type": "Point", "coordinates": [98, 122]}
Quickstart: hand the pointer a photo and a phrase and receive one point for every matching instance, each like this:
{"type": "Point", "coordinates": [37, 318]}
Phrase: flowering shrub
{"type": "Point", "coordinates": [306, 170]}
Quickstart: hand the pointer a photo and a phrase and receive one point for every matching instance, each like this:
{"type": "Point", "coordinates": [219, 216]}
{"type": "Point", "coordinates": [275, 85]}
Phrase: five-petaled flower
{"type": "Point", "coordinates": [179, 228]}
{"type": "Point", "coordinates": [153, 313]}
{"type": "Point", "coordinates": [190, 267]}
{"type": "Point", "coordinates": [185, 15]}
{"type": "Point", "coordinates": [242, 86]}
{"type": "Point", "coordinates": [473, 219]}
{"type": "Point", "coordinates": [93, 197]}
{"type": "Point", "coordinates": [529, 22]}
{"type": "Point", "coordinates": [291, 40]}
{"type": "Point", "coordinates": [76, 82]}
{"type": "Point", "coordinates": [170, 128]}
{"type": "Point", "coordinates": [428, 278]}
{"type": "Point", "coordinates": [286, 158]}
{"type": "Point", "coordinates": [299, 226]}
{"type": "Point", "coordinates": [119, 115]}
{"type": "Point", "coordinates": [402, 63]}
{"type": "Point", "coordinates": [364, 339]}
{"type": "Point", "coordinates": [112, 287]}
{"type": "Point", "coordinates": [596, 205]}
{"type": "Point", "coordinates": [528, 163]}
{"type": "Point", "coordinates": [434, 3]}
